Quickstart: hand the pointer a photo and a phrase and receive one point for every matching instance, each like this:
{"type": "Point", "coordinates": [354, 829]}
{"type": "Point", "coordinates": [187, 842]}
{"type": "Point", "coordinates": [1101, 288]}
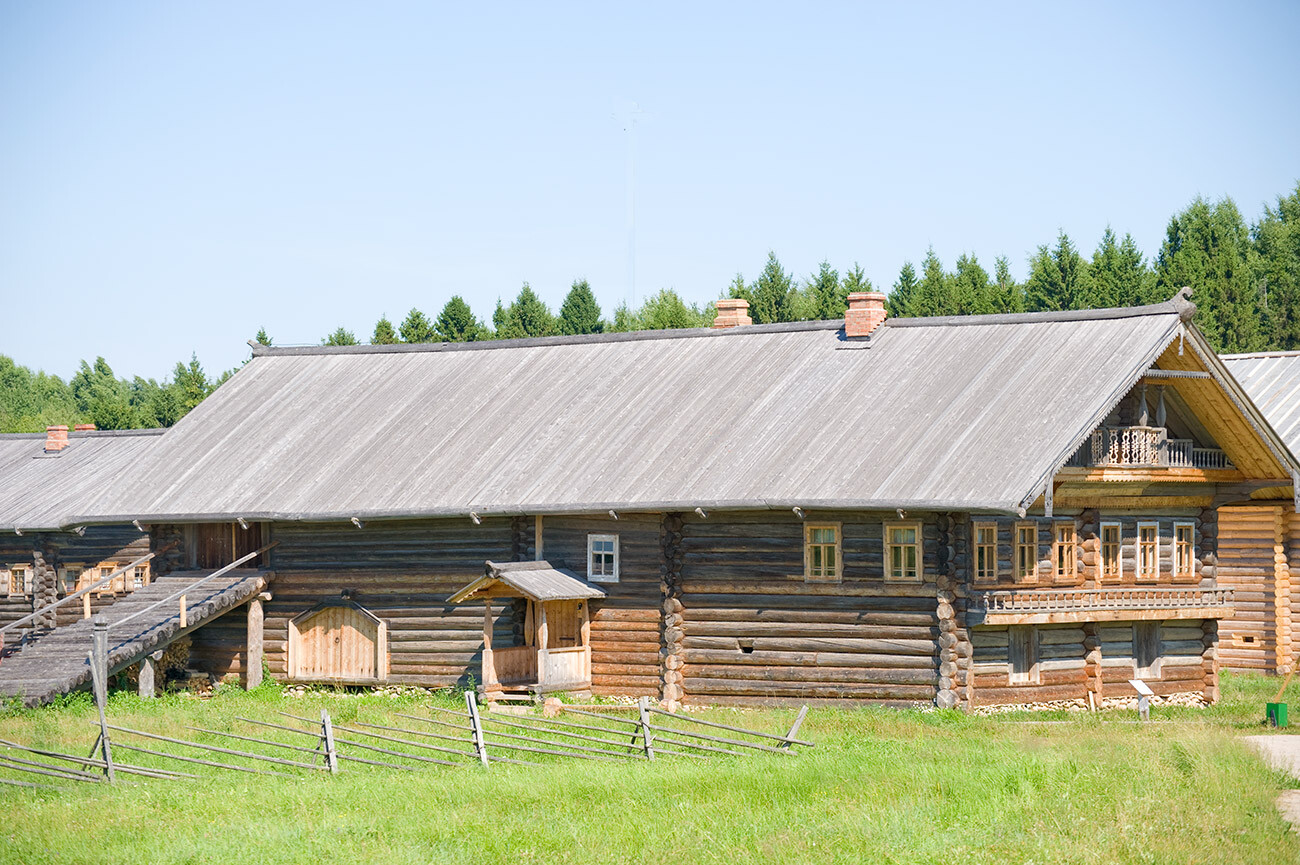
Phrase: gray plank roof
{"type": "Point", "coordinates": [968, 414]}
{"type": "Point", "coordinates": [39, 491]}
{"type": "Point", "coordinates": [539, 581]}
{"type": "Point", "coordinates": [1272, 381]}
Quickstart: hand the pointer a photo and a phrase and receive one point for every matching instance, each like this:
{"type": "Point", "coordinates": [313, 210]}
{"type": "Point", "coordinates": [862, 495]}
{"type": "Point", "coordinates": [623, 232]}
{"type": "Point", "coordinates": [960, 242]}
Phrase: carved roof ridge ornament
{"type": "Point", "coordinates": [1182, 301]}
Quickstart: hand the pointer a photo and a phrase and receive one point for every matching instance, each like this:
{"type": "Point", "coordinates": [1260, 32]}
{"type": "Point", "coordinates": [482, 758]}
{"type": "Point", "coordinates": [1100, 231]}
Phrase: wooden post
{"type": "Point", "coordinates": [542, 636]}
{"type": "Point", "coordinates": [327, 739]}
{"type": "Point", "coordinates": [471, 703]}
{"type": "Point", "coordinates": [794, 728]}
{"type": "Point", "coordinates": [585, 632]}
{"type": "Point", "coordinates": [643, 709]}
{"type": "Point", "coordinates": [85, 606]}
{"type": "Point", "coordinates": [99, 681]}
{"type": "Point", "coordinates": [537, 538]}
{"type": "Point", "coordinates": [253, 658]}
{"type": "Point", "coordinates": [149, 675]}
{"type": "Point", "coordinates": [489, 663]}
{"type": "Point", "coordinates": [183, 611]}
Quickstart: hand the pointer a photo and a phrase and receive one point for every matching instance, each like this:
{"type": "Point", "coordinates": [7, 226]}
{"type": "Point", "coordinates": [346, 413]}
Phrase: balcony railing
{"type": "Point", "coordinates": [1145, 446]}
{"type": "Point", "coordinates": [1109, 599]}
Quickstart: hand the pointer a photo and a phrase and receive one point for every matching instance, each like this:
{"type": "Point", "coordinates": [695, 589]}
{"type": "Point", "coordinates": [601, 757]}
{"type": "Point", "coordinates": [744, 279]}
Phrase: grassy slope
{"type": "Point", "coordinates": [881, 786]}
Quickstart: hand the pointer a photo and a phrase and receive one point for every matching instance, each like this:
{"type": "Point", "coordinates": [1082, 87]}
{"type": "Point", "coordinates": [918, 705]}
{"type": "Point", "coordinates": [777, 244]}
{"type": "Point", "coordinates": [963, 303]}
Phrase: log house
{"type": "Point", "coordinates": [959, 511]}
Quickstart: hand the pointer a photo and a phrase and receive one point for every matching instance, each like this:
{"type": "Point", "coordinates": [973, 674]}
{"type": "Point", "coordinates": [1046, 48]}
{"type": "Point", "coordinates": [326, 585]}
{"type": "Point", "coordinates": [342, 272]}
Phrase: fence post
{"type": "Point", "coordinates": [98, 658]}
{"type": "Point", "coordinates": [643, 707]}
{"type": "Point", "coordinates": [794, 728]}
{"type": "Point", "coordinates": [471, 703]}
{"type": "Point", "coordinates": [327, 738]}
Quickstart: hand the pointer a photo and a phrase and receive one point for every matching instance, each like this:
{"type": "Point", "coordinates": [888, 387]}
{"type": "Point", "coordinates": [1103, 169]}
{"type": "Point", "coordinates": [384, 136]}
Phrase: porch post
{"type": "Point", "coordinates": [489, 665]}
{"type": "Point", "coordinates": [585, 631]}
{"type": "Point", "coordinates": [253, 657]}
{"type": "Point", "coordinates": [542, 634]}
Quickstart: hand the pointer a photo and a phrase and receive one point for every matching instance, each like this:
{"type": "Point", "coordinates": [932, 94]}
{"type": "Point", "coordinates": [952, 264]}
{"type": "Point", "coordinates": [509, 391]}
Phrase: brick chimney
{"type": "Point", "coordinates": [56, 439]}
{"type": "Point", "coordinates": [83, 427]}
{"type": "Point", "coordinates": [732, 312]}
{"type": "Point", "coordinates": [866, 311]}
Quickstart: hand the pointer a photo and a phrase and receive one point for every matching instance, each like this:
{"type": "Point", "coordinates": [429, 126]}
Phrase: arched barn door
{"type": "Point", "coordinates": [338, 643]}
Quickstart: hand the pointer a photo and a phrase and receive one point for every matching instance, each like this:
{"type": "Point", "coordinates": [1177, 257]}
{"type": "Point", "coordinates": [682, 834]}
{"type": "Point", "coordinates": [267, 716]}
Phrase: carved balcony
{"type": "Point", "coordinates": [1145, 446]}
{"type": "Point", "coordinates": [1033, 606]}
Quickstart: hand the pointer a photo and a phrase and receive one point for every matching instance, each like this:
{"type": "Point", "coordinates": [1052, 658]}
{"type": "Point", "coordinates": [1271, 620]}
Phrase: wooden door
{"type": "Point", "coordinates": [337, 643]}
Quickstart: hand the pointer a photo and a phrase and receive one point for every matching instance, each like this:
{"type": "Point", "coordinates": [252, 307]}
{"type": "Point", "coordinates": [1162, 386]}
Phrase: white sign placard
{"type": "Point", "coordinates": [1141, 687]}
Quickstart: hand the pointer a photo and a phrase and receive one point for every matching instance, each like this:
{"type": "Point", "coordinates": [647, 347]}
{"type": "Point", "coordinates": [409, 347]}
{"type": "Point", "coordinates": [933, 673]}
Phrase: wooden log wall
{"type": "Point", "coordinates": [402, 571]}
{"type": "Point", "coordinates": [1246, 564]}
{"type": "Point", "coordinates": [625, 626]}
{"type": "Point", "coordinates": [754, 630]}
{"type": "Point", "coordinates": [1096, 658]}
{"type": "Point", "coordinates": [950, 609]}
{"type": "Point", "coordinates": [56, 549]}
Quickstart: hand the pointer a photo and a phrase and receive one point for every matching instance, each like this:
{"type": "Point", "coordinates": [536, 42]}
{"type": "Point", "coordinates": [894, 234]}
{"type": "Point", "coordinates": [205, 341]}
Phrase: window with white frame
{"type": "Point", "coordinates": [902, 551]}
{"type": "Point", "coordinates": [1111, 559]}
{"type": "Point", "coordinates": [1184, 550]}
{"type": "Point", "coordinates": [1148, 551]}
{"type": "Point", "coordinates": [986, 552]}
{"type": "Point", "coordinates": [139, 577]}
{"type": "Point", "coordinates": [602, 558]}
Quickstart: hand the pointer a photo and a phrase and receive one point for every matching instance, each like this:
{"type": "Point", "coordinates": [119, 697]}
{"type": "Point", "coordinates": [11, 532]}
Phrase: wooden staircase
{"type": "Point", "coordinates": [54, 662]}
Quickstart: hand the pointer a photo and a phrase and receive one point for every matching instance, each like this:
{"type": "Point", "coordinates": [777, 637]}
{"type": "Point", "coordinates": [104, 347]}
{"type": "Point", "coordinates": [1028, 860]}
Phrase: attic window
{"type": "Point", "coordinates": [602, 558]}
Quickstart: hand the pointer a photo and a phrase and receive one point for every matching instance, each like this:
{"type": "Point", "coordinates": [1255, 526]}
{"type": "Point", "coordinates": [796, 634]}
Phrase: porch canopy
{"type": "Point", "coordinates": [556, 654]}
{"type": "Point", "coordinates": [536, 581]}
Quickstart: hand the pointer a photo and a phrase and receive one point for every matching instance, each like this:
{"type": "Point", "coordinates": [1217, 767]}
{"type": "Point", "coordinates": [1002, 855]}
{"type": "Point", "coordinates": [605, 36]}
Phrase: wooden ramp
{"type": "Point", "coordinates": [55, 663]}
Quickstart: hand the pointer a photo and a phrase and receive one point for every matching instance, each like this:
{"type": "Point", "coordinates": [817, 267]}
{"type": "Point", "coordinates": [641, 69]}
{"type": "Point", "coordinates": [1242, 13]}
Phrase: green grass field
{"type": "Point", "coordinates": [881, 786]}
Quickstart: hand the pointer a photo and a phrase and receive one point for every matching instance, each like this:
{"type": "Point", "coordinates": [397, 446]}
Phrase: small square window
{"type": "Point", "coordinates": [902, 551]}
{"type": "Point", "coordinates": [822, 552]}
{"type": "Point", "coordinates": [602, 558]}
{"type": "Point", "coordinates": [18, 584]}
{"type": "Point", "coordinates": [71, 577]}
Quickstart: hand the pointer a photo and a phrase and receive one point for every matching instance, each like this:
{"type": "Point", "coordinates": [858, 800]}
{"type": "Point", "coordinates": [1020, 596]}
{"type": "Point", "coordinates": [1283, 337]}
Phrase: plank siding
{"type": "Point", "coordinates": [755, 629]}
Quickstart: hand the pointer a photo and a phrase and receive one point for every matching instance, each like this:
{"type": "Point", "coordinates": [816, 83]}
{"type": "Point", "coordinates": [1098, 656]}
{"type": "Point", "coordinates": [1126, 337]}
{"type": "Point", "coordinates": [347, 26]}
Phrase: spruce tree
{"type": "Point", "coordinates": [580, 313]}
{"type": "Point", "coordinates": [972, 291]}
{"type": "Point", "coordinates": [1276, 242]}
{"type": "Point", "coordinates": [417, 328]}
{"type": "Point", "coordinates": [934, 294]}
{"type": "Point", "coordinates": [1058, 277]}
{"type": "Point", "coordinates": [1119, 275]}
{"type": "Point", "coordinates": [899, 301]}
{"type": "Point", "coordinates": [384, 333]}
{"type": "Point", "coordinates": [773, 294]}
{"type": "Point", "coordinates": [1008, 295]}
{"type": "Point", "coordinates": [1207, 247]}
{"type": "Point", "coordinates": [855, 281]}
{"type": "Point", "coordinates": [262, 337]}
{"type": "Point", "coordinates": [457, 322]}
{"type": "Point", "coordinates": [827, 297]}
{"type": "Point", "coordinates": [342, 336]}
{"type": "Point", "coordinates": [664, 310]}
{"type": "Point", "coordinates": [527, 316]}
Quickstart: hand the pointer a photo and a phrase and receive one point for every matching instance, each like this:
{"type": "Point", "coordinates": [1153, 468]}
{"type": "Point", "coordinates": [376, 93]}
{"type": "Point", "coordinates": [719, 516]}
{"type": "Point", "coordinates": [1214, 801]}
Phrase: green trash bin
{"type": "Point", "coordinates": [1276, 714]}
